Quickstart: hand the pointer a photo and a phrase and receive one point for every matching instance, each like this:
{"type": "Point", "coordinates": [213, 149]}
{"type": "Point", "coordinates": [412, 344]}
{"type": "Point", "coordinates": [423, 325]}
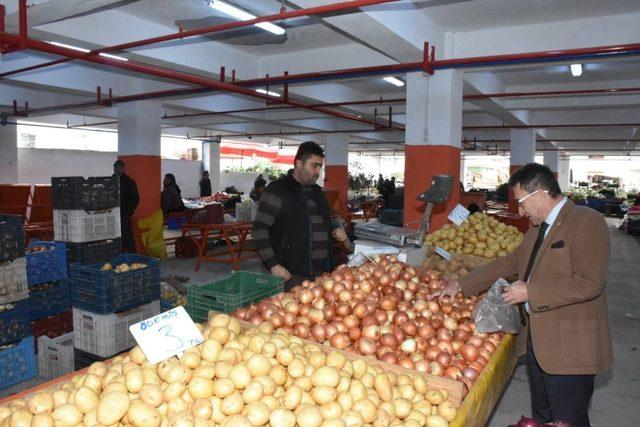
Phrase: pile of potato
{"type": "Point", "coordinates": [459, 265]}
{"type": "Point", "coordinates": [234, 378]}
{"type": "Point", "coordinates": [123, 268]}
{"type": "Point", "coordinates": [480, 235]}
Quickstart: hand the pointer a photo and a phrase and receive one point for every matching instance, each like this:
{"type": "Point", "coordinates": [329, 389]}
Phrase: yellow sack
{"type": "Point", "coordinates": [152, 235]}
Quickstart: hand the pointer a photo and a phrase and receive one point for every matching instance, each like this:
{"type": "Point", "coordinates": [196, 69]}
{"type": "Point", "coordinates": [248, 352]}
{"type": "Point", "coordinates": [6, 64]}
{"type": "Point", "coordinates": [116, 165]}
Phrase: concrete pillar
{"type": "Point", "coordinates": [523, 151]}
{"type": "Point", "coordinates": [551, 159]}
{"type": "Point", "coordinates": [432, 141]}
{"type": "Point", "coordinates": [139, 129]}
{"type": "Point", "coordinates": [564, 166]}
{"type": "Point", "coordinates": [336, 170]}
{"type": "Point", "coordinates": [8, 154]}
{"type": "Point", "coordinates": [211, 162]}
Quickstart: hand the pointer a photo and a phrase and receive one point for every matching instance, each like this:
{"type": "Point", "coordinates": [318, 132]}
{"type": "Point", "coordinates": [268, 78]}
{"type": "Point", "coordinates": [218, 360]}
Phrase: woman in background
{"type": "Point", "coordinates": [171, 195]}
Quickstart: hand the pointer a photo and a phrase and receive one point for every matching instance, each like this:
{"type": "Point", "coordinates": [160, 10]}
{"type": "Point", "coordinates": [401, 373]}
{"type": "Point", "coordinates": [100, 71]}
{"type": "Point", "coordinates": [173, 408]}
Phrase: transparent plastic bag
{"type": "Point", "coordinates": [492, 314]}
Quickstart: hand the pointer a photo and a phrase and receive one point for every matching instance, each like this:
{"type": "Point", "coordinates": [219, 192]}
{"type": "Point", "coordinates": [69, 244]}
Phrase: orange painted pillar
{"type": "Point", "coordinates": [432, 142]}
{"type": "Point", "coordinates": [522, 152]}
{"type": "Point", "coordinates": [336, 172]}
{"type": "Point", "coordinates": [139, 130]}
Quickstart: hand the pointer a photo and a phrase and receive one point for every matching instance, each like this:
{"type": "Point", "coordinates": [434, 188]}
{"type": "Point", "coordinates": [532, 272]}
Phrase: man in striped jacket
{"type": "Point", "coordinates": [293, 228]}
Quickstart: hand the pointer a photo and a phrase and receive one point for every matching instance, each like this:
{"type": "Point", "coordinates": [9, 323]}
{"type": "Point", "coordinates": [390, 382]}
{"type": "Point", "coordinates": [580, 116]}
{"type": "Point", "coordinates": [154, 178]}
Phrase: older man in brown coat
{"type": "Point", "coordinates": [562, 269]}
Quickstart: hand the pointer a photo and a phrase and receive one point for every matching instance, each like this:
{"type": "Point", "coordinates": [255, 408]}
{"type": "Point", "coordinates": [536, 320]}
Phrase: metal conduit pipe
{"type": "Point", "coordinates": [572, 125]}
{"type": "Point", "coordinates": [317, 10]}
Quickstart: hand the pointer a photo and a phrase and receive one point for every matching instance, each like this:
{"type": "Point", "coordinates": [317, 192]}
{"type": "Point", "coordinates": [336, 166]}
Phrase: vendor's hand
{"type": "Point", "coordinates": [339, 234]}
{"type": "Point", "coordinates": [451, 289]}
{"type": "Point", "coordinates": [280, 271]}
{"type": "Point", "coordinates": [516, 293]}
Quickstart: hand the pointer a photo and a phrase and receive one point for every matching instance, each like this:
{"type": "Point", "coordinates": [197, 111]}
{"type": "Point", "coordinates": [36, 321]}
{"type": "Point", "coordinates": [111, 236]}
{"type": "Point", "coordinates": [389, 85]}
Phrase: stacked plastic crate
{"type": "Point", "coordinates": [17, 356]}
{"type": "Point", "coordinates": [49, 303]}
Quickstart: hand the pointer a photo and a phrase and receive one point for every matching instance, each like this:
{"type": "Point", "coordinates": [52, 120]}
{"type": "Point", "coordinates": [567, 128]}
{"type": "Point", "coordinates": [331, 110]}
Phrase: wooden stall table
{"type": "Point", "coordinates": [227, 231]}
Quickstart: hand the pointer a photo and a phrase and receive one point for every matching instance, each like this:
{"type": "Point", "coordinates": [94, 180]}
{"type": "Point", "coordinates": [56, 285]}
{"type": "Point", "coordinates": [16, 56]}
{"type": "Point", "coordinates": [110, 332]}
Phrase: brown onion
{"type": "Point", "coordinates": [436, 369]}
{"type": "Point", "coordinates": [470, 373]}
{"type": "Point", "coordinates": [301, 329]}
{"type": "Point", "coordinates": [355, 334]}
{"type": "Point", "coordinates": [422, 365]}
{"type": "Point", "coordinates": [444, 334]}
{"type": "Point", "coordinates": [452, 372]}
{"type": "Point", "coordinates": [389, 358]}
{"type": "Point", "coordinates": [432, 352]}
{"type": "Point", "coordinates": [443, 358]}
{"type": "Point", "coordinates": [469, 352]}
{"type": "Point", "coordinates": [276, 320]}
{"type": "Point", "coordinates": [400, 318]}
{"type": "Point", "coordinates": [427, 332]}
{"type": "Point", "coordinates": [406, 362]}
{"type": "Point", "coordinates": [389, 340]}
{"type": "Point", "coordinates": [340, 341]}
{"type": "Point", "coordinates": [318, 333]}
{"type": "Point", "coordinates": [410, 328]}
{"type": "Point", "coordinates": [366, 346]}
{"type": "Point", "coordinates": [387, 303]}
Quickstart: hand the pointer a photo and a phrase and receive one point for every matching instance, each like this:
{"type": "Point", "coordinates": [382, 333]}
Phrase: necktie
{"type": "Point", "coordinates": [534, 252]}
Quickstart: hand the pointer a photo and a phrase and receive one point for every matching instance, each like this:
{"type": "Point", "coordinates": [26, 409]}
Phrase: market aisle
{"type": "Point", "coordinates": [617, 392]}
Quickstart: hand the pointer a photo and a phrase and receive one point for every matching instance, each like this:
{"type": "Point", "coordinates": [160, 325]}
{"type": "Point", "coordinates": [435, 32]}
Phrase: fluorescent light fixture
{"type": "Point", "coordinates": [394, 81]}
{"type": "Point", "coordinates": [576, 70]}
{"type": "Point", "coordinates": [264, 92]}
{"type": "Point", "coordinates": [83, 50]}
{"type": "Point", "coordinates": [241, 15]}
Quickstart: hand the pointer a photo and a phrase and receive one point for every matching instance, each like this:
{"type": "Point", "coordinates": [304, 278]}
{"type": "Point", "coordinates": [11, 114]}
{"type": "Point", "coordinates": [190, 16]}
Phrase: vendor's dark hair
{"type": "Point", "coordinates": [308, 149]}
{"type": "Point", "coordinates": [535, 176]}
{"type": "Point", "coordinates": [172, 182]}
{"type": "Point", "coordinates": [118, 163]}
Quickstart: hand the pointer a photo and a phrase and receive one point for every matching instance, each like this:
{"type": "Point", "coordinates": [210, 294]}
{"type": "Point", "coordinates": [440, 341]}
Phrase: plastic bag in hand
{"type": "Point", "coordinates": [493, 314]}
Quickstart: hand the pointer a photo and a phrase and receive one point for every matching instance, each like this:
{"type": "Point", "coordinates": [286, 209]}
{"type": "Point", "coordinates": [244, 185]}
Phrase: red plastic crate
{"type": "Point", "coordinates": [210, 214]}
{"type": "Point", "coordinates": [53, 326]}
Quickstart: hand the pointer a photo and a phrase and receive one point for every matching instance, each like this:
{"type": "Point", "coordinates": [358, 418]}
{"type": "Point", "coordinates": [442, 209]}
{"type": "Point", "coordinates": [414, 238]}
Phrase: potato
{"type": "Point", "coordinates": [309, 416]}
{"type": "Point", "coordinates": [202, 409]}
{"type": "Point", "coordinates": [152, 394]}
{"type": "Point", "coordinates": [237, 421]}
{"type": "Point", "coordinates": [253, 392]}
{"type": "Point", "coordinates": [112, 407]}
{"type": "Point", "coordinates": [257, 413]}
{"type": "Point", "coordinates": [60, 397]}
{"type": "Point", "coordinates": [223, 387]}
{"type": "Point", "coordinates": [383, 418]}
{"type": "Point", "coordinates": [435, 397]}
{"type": "Point", "coordinates": [42, 420]}
{"type": "Point", "coordinates": [325, 376]}
{"type": "Point", "coordinates": [447, 410]}
{"type": "Point", "coordinates": [67, 415]}
{"type": "Point", "coordinates": [436, 421]}
{"type": "Point", "coordinates": [173, 390]}
{"type": "Point", "coordinates": [333, 422]}
{"type": "Point", "coordinates": [292, 397]}
{"type": "Point", "coordinates": [382, 386]}
{"type": "Point", "coordinates": [86, 399]}
{"type": "Point", "coordinates": [352, 418]}
{"type": "Point", "coordinates": [240, 376]}
{"type": "Point", "coordinates": [176, 406]}
{"type": "Point", "coordinates": [210, 350]}
{"type": "Point", "coordinates": [20, 418]}
{"type": "Point", "coordinates": [322, 395]}
{"type": "Point", "coordinates": [200, 387]}
{"type": "Point", "coordinates": [258, 365]}
{"type": "Point", "coordinates": [182, 419]}
{"type": "Point", "coordinates": [142, 415]}
{"type": "Point", "coordinates": [191, 359]}
{"type": "Point", "coordinates": [90, 419]}
{"type": "Point", "coordinates": [232, 404]}
{"type": "Point", "coordinates": [282, 418]}
{"type": "Point", "coordinates": [366, 408]}
{"type": "Point", "coordinates": [179, 373]}
{"type": "Point", "coordinates": [40, 403]}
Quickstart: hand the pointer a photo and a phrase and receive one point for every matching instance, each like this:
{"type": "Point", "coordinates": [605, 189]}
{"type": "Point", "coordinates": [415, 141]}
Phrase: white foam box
{"type": "Point", "coordinates": [106, 335]}
{"type": "Point", "coordinates": [55, 356]}
{"type": "Point", "coordinates": [78, 226]}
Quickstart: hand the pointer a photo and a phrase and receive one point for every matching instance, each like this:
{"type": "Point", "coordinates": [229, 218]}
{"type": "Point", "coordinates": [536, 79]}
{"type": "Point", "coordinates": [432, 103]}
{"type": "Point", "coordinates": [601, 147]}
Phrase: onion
{"type": "Point", "coordinates": [406, 362]}
{"type": "Point", "coordinates": [470, 373]}
{"type": "Point", "coordinates": [469, 352]}
{"type": "Point", "coordinates": [330, 330]}
{"type": "Point", "coordinates": [366, 346]}
{"type": "Point", "coordinates": [305, 297]}
{"type": "Point", "coordinates": [475, 341]}
{"type": "Point", "coordinates": [387, 303]}
{"type": "Point", "coordinates": [445, 346]}
{"type": "Point", "coordinates": [301, 329]}
{"type": "Point", "coordinates": [369, 320]}
{"type": "Point", "coordinates": [450, 324]}
{"type": "Point", "coordinates": [389, 340]}
{"type": "Point", "coordinates": [436, 369]}
{"type": "Point", "coordinates": [351, 321]}
{"type": "Point", "coordinates": [427, 331]}
{"type": "Point", "coordinates": [410, 328]}
{"type": "Point", "coordinates": [340, 341]}
{"type": "Point", "coordinates": [422, 365]}
{"type": "Point", "coordinates": [399, 333]}
{"type": "Point", "coordinates": [381, 316]}
{"type": "Point", "coordinates": [372, 332]}
{"type": "Point", "coordinates": [389, 358]}
{"type": "Point", "coordinates": [355, 334]}
{"type": "Point", "coordinates": [330, 296]}
{"type": "Point", "coordinates": [444, 334]}
{"type": "Point", "coordinates": [277, 320]}
{"type": "Point", "coordinates": [443, 358]}
{"type": "Point", "coordinates": [343, 309]}
{"type": "Point", "coordinates": [318, 333]}
{"type": "Point", "coordinates": [409, 346]}
{"type": "Point", "coordinates": [400, 318]}
{"type": "Point", "coordinates": [452, 372]}
{"type": "Point", "coordinates": [360, 310]}
{"type": "Point", "coordinates": [329, 312]}
{"type": "Point", "coordinates": [432, 352]}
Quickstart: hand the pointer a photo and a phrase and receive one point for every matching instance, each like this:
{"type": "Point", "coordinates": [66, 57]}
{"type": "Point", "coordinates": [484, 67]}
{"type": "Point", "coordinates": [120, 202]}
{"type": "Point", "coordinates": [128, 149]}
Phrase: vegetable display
{"type": "Point", "coordinates": [123, 268]}
{"type": "Point", "coordinates": [481, 235]}
{"type": "Point", "coordinates": [253, 377]}
{"type": "Point", "coordinates": [383, 310]}
{"type": "Point", "coordinates": [459, 265]}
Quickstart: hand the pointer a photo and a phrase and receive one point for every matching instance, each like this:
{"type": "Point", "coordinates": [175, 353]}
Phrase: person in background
{"type": "Point", "coordinates": [256, 191]}
{"type": "Point", "coordinates": [380, 183]}
{"type": "Point", "coordinates": [259, 182]}
{"type": "Point", "coordinates": [129, 200]}
{"type": "Point", "coordinates": [171, 195]}
{"type": "Point", "coordinates": [205, 185]}
{"type": "Point", "coordinates": [562, 267]}
{"type": "Point", "coordinates": [293, 229]}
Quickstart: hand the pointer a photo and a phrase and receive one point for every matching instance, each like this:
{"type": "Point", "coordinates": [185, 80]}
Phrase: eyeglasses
{"type": "Point", "coordinates": [520, 201]}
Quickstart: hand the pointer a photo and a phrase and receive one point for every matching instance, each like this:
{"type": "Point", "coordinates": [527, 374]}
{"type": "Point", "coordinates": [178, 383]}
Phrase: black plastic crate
{"type": "Point", "coordinates": [93, 252]}
{"type": "Point", "coordinates": [11, 237]}
{"type": "Point", "coordinates": [82, 359]}
{"type": "Point", "coordinates": [90, 194]}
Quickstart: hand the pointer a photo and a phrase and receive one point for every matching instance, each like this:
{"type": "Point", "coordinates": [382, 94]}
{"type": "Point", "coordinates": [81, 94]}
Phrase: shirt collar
{"type": "Point", "coordinates": [554, 212]}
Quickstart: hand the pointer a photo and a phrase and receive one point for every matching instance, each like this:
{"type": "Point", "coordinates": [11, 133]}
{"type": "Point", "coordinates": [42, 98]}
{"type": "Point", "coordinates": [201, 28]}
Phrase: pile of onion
{"type": "Point", "coordinates": [382, 309]}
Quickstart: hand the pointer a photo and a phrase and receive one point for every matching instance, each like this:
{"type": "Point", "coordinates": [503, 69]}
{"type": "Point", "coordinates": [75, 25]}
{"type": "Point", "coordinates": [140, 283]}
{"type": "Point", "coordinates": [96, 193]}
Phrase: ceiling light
{"type": "Point", "coordinates": [394, 81]}
{"type": "Point", "coordinates": [83, 50]}
{"type": "Point", "coordinates": [576, 70]}
{"type": "Point", "coordinates": [264, 92]}
{"type": "Point", "coordinates": [241, 15]}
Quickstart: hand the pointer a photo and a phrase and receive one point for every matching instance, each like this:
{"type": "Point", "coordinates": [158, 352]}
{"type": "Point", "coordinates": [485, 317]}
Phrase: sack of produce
{"type": "Point", "coordinates": [493, 314]}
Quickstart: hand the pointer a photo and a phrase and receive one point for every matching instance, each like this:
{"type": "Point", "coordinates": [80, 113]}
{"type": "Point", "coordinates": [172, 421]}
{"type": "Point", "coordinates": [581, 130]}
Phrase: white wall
{"type": "Point", "coordinates": [243, 181]}
{"type": "Point", "coordinates": [37, 166]}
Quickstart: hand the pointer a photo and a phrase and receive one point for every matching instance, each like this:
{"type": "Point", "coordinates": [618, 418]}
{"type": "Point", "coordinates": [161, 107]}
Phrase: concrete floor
{"type": "Point", "coordinates": [616, 401]}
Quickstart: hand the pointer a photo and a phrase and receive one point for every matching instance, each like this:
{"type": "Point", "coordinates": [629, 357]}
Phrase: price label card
{"type": "Point", "coordinates": [444, 254]}
{"type": "Point", "coordinates": [167, 334]}
{"type": "Point", "coordinates": [458, 215]}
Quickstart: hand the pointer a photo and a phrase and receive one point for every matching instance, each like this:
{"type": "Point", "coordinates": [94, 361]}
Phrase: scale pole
{"type": "Point", "coordinates": [424, 225]}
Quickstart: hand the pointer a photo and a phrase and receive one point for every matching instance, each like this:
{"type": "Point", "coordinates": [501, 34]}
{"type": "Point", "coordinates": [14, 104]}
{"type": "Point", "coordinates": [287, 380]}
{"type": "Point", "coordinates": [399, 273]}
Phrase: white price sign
{"type": "Point", "coordinates": [458, 215]}
{"type": "Point", "coordinates": [444, 254]}
{"type": "Point", "coordinates": [167, 334]}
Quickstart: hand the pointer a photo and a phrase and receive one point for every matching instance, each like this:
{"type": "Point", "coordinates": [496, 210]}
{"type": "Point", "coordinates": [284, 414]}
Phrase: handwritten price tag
{"type": "Point", "coordinates": [458, 215]}
{"type": "Point", "coordinates": [167, 334]}
{"type": "Point", "coordinates": [444, 254]}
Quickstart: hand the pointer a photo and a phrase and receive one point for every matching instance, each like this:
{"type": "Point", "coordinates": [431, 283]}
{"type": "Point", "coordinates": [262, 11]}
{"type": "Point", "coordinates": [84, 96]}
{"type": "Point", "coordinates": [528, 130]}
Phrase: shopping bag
{"type": "Point", "coordinates": [152, 235]}
{"type": "Point", "coordinates": [493, 314]}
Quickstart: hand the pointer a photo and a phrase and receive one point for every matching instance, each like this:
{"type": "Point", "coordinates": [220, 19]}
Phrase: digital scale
{"type": "Point", "coordinates": [377, 238]}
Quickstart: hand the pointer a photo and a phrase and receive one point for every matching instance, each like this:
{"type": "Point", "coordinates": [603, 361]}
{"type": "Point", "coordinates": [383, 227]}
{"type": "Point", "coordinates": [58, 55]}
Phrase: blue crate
{"type": "Point", "coordinates": [166, 305]}
{"type": "Point", "coordinates": [104, 292]}
{"type": "Point", "coordinates": [17, 363]}
{"type": "Point", "coordinates": [11, 237]}
{"type": "Point", "coordinates": [53, 299]}
{"type": "Point", "coordinates": [14, 323]}
{"type": "Point", "coordinates": [175, 223]}
{"type": "Point", "coordinates": [47, 266]}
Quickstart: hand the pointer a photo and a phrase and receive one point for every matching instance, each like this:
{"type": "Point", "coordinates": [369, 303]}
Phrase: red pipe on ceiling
{"type": "Point", "coordinates": [317, 10]}
{"type": "Point", "coordinates": [580, 125]}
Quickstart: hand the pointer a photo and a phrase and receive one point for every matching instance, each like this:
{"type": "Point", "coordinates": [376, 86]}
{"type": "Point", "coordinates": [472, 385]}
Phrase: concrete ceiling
{"type": "Point", "coordinates": [376, 35]}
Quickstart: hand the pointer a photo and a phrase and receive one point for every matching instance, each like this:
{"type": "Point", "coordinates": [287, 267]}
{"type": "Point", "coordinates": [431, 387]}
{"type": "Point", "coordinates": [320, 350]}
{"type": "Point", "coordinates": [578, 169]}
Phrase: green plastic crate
{"type": "Point", "coordinates": [242, 288]}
